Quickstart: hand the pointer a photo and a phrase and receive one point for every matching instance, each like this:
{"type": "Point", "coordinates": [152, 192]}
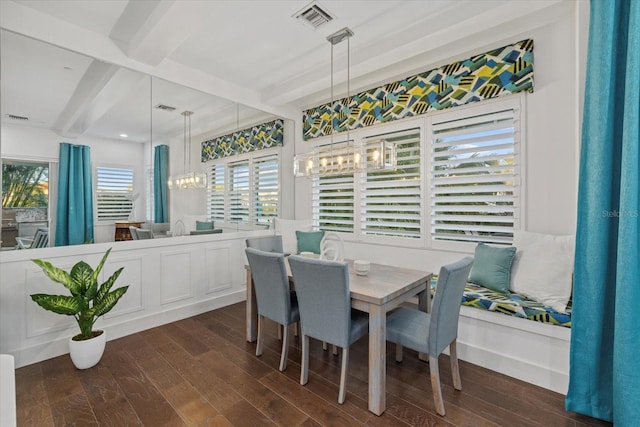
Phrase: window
{"type": "Point", "coordinates": [114, 193]}
{"type": "Point", "coordinates": [265, 189]}
{"type": "Point", "coordinates": [473, 173]}
{"type": "Point", "coordinates": [239, 192]}
{"type": "Point", "coordinates": [216, 192]}
{"type": "Point", "coordinates": [391, 203]}
{"type": "Point", "coordinates": [150, 214]}
{"type": "Point", "coordinates": [455, 184]}
{"type": "Point", "coordinates": [333, 201]}
{"type": "Point", "coordinates": [245, 191]}
{"type": "Point", "coordinates": [25, 184]}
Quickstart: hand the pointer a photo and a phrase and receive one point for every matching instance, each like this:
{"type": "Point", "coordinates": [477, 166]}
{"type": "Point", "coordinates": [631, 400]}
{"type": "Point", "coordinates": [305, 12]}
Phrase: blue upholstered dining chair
{"type": "Point", "coordinates": [274, 299]}
{"type": "Point", "coordinates": [325, 310]}
{"type": "Point", "coordinates": [134, 232]}
{"type": "Point", "coordinates": [432, 332]}
{"type": "Point", "coordinates": [266, 243]}
{"type": "Point", "coordinates": [140, 233]}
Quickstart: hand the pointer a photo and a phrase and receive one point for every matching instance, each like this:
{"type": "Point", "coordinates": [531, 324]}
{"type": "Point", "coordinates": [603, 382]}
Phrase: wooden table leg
{"type": "Point", "coordinates": [377, 359]}
{"type": "Point", "coordinates": [252, 310]}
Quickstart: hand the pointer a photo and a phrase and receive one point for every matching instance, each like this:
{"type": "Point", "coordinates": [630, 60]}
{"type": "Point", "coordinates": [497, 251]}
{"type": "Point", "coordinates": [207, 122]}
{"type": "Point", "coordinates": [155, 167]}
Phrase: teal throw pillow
{"type": "Point", "coordinates": [309, 241]}
{"type": "Point", "coordinates": [204, 225]}
{"type": "Point", "coordinates": [492, 267]}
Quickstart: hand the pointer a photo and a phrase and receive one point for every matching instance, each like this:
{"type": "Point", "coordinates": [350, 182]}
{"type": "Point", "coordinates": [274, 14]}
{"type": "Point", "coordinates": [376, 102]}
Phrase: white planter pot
{"type": "Point", "coordinates": [87, 353]}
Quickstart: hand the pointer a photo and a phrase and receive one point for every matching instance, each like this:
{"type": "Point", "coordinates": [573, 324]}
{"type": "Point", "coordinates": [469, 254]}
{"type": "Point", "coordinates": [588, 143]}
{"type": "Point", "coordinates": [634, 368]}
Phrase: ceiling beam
{"type": "Point", "coordinates": [72, 121]}
{"type": "Point", "coordinates": [149, 31]}
{"type": "Point", "coordinates": [29, 22]}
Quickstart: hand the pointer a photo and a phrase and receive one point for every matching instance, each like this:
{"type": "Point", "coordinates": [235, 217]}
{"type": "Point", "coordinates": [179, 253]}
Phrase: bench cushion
{"type": "Point", "coordinates": [512, 304]}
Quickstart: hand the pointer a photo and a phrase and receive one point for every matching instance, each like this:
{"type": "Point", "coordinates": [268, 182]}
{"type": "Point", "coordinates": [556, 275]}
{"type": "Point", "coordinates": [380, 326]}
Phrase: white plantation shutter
{"type": "Point", "coordinates": [265, 189]}
{"type": "Point", "coordinates": [216, 193]}
{"type": "Point", "coordinates": [239, 198]}
{"type": "Point", "coordinates": [114, 193]}
{"type": "Point", "coordinates": [390, 200]}
{"type": "Point", "coordinates": [150, 214]}
{"type": "Point", "coordinates": [245, 191]}
{"type": "Point", "coordinates": [473, 177]}
{"type": "Point", "coordinates": [333, 202]}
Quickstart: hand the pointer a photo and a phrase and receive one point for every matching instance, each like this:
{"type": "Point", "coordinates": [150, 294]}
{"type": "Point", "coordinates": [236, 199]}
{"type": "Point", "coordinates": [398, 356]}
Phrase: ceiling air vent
{"type": "Point", "coordinates": [14, 117]}
{"type": "Point", "coordinates": [165, 107]}
{"type": "Point", "coordinates": [313, 15]}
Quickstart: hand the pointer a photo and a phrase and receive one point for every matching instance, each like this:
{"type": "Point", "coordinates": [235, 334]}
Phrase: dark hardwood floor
{"type": "Point", "coordinates": [201, 371]}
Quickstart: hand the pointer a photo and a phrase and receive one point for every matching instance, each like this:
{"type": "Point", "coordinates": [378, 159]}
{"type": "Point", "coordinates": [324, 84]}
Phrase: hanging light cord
{"type": "Point", "coordinates": [332, 105]}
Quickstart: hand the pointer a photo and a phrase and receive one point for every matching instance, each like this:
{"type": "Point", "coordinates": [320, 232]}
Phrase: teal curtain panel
{"type": "Point", "coordinates": [74, 215]}
{"type": "Point", "coordinates": [604, 377]}
{"type": "Point", "coordinates": [160, 177]}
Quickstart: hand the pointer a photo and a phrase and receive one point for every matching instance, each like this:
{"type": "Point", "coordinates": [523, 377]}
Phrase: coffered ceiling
{"type": "Point", "coordinates": [252, 52]}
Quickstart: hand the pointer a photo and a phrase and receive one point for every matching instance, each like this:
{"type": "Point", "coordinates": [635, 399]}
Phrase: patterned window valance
{"type": "Point", "coordinates": [498, 72]}
{"type": "Point", "coordinates": [265, 135]}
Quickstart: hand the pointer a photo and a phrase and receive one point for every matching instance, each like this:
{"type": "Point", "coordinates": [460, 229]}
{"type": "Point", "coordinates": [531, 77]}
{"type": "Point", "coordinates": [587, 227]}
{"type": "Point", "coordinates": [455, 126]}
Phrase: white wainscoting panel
{"type": "Point", "coordinates": [176, 277]}
{"type": "Point", "coordinates": [131, 276]}
{"type": "Point", "coordinates": [169, 279]}
{"type": "Point", "coordinates": [38, 320]}
{"type": "Point", "coordinates": [217, 277]}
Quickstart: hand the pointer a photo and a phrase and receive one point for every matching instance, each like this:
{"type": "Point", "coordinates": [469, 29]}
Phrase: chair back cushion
{"type": "Point", "coordinates": [324, 300]}
{"type": "Point", "coordinates": [266, 243]}
{"type": "Point", "coordinates": [143, 234]}
{"type": "Point", "coordinates": [446, 304]}
{"type": "Point", "coordinates": [204, 225]}
{"type": "Point", "coordinates": [271, 284]}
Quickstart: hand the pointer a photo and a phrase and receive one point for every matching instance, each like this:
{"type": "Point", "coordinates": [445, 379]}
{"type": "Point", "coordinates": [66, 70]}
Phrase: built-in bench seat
{"type": "Point", "coordinates": [511, 304]}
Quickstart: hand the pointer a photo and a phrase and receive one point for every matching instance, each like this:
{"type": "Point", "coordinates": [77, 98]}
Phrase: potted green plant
{"type": "Point", "coordinates": [87, 302]}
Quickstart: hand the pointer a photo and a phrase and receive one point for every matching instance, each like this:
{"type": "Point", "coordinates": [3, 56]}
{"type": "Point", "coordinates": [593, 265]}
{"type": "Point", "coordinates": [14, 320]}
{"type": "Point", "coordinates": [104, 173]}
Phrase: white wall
{"type": "Point", "coordinates": [551, 139]}
{"type": "Point", "coordinates": [22, 142]}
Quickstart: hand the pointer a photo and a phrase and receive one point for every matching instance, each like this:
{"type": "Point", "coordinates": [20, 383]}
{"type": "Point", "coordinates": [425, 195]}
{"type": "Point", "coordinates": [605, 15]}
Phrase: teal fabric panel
{"type": "Point", "coordinates": [604, 379]}
{"type": "Point", "coordinates": [160, 177]}
{"type": "Point", "coordinates": [309, 241]}
{"type": "Point", "coordinates": [74, 214]}
{"type": "Point", "coordinates": [492, 267]}
{"type": "Point", "coordinates": [204, 225]}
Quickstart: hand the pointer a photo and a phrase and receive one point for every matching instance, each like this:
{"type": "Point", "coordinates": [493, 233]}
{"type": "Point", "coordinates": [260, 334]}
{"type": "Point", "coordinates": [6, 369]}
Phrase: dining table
{"type": "Point", "coordinates": [382, 289]}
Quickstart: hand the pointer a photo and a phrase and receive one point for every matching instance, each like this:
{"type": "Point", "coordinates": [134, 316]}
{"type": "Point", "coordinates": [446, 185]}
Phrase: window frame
{"type": "Point", "coordinates": [395, 127]}
{"type": "Point", "coordinates": [517, 102]}
{"type": "Point", "coordinates": [97, 219]}
{"type": "Point", "coordinates": [251, 158]}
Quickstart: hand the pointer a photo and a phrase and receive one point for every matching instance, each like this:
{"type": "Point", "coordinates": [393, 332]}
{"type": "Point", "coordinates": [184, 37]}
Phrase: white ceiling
{"type": "Point", "coordinates": [250, 52]}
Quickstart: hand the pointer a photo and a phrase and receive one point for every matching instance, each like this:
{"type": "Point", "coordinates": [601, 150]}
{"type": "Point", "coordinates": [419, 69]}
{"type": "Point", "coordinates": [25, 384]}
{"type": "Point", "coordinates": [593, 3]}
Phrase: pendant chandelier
{"type": "Point", "coordinates": [188, 179]}
{"type": "Point", "coordinates": [345, 157]}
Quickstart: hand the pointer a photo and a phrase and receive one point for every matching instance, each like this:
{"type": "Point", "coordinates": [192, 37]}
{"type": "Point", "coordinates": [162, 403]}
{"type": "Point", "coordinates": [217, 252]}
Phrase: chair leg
{"type": "Point", "coordinates": [455, 369]}
{"type": "Point", "coordinates": [398, 353]}
{"type": "Point", "coordinates": [335, 350]}
{"type": "Point", "coordinates": [285, 348]}
{"type": "Point", "coordinates": [304, 364]}
{"type": "Point", "coordinates": [260, 336]}
{"type": "Point", "coordinates": [435, 384]}
{"type": "Point", "coordinates": [343, 375]}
